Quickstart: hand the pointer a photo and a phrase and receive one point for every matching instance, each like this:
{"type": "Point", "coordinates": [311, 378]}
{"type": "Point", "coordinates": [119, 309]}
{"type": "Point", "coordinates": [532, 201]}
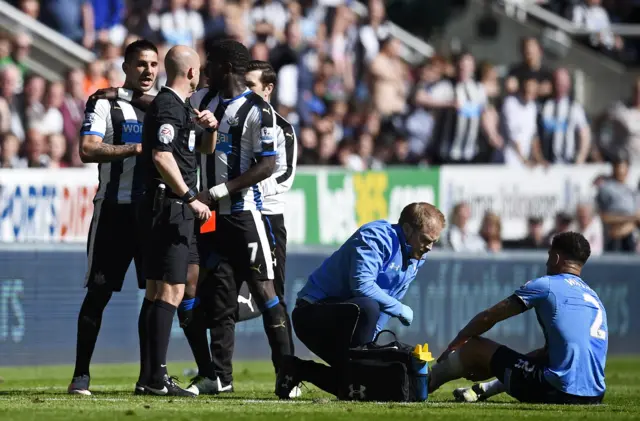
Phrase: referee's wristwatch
{"type": "Point", "coordinates": [189, 196]}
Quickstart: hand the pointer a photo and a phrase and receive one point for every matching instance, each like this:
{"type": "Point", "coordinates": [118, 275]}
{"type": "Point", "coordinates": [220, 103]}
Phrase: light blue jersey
{"type": "Point", "coordinates": [374, 262]}
{"type": "Point", "coordinates": [574, 323]}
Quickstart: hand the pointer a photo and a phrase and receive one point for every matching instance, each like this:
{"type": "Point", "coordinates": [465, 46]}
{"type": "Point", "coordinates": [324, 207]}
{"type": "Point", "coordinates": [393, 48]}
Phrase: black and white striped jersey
{"type": "Point", "coordinates": [246, 131]}
{"type": "Point", "coordinates": [117, 122]}
{"type": "Point", "coordinates": [559, 123]}
{"type": "Point", "coordinates": [457, 131]}
{"type": "Point", "coordinates": [275, 187]}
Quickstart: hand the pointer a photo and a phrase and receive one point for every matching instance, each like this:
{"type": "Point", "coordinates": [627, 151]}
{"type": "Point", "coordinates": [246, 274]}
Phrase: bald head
{"type": "Point", "coordinates": [179, 60]}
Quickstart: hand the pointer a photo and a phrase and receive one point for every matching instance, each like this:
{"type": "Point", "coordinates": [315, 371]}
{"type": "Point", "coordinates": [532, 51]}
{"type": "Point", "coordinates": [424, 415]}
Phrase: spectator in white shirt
{"type": "Point", "coordinates": [593, 17]}
{"type": "Point", "coordinates": [178, 25]}
{"type": "Point", "coordinates": [51, 122]}
{"type": "Point", "coordinates": [590, 226]}
{"type": "Point", "coordinates": [458, 237]}
{"type": "Point", "coordinates": [519, 125]}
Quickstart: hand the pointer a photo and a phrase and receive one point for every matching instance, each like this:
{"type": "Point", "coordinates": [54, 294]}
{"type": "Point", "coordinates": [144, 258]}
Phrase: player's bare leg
{"type": "Point", "coordinates": [471, 361]}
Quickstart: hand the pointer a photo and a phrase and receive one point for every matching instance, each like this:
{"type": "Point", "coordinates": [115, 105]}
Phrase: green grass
{"type": "Point", "coordinates": [39, 393]}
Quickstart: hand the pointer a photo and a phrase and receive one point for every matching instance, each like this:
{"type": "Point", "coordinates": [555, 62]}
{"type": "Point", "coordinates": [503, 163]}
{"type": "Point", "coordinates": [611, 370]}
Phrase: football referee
{"type": "Point", "coordinates": [111, 135]}
{"type": "Point", "coordinates": [169, 155]}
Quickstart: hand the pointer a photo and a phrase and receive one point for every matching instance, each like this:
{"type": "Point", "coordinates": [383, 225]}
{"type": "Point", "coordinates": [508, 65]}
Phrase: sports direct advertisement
{"type": "Point", "coordinates": [40, 205]}
{"type": "Point", "coordinates": [324, 206]}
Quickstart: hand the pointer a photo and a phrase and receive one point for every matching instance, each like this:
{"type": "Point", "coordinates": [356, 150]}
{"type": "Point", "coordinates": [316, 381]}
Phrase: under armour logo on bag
{"type": "Point", "coordinates": [247, 301]}
{"type": "Point", "coordinates": [394, 266]}
{"type": "Point", "coordinates": [359, 394]}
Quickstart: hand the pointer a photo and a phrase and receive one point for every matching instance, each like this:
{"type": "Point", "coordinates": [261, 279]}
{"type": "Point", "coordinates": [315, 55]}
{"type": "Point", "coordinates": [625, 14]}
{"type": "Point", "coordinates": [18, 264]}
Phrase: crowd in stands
{"type": "Point", "coordinates": [341, 81]}
{"type": "Point", "coordinates": [598, 16]}
{"type": "Point", "coordinates": [611, 224]}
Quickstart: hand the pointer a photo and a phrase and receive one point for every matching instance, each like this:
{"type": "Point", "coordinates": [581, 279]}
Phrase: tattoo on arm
{"type": "Point", "coordinates": [102, 152]}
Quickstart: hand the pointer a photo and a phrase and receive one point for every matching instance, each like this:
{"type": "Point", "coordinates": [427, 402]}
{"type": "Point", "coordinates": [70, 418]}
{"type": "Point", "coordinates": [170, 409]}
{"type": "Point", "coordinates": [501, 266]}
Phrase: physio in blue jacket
{"type": "Point", "coordinates": [355, 291]}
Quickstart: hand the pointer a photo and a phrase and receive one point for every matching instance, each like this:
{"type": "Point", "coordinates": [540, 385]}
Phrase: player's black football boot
{"type": "Point", "coordinates": [287, 378]}
{"type": "Point", "coordinates": [201, 385]}
{"type": "Point", "coordinates": [168, 387]}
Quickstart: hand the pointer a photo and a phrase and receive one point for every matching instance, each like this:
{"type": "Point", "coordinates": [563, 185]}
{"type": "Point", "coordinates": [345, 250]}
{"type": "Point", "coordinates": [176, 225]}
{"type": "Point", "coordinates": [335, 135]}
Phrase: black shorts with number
{"type": "Point", "coordinates": [171, 243]}
{"type": "Point", "coordinates": [523, 378]}
{"type": "Point", "coordinates": [115, 239]}
{"type": "Point", "coordinates": [242, 240]}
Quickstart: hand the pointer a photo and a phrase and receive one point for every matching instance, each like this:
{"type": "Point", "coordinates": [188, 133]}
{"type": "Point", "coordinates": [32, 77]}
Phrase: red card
{"type": "Point", "coordinates": [209, 225]}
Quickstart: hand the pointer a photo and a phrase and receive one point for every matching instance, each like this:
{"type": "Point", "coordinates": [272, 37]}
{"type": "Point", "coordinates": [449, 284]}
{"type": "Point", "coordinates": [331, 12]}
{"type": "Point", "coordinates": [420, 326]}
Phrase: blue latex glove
{"type": "Point", "coordinates": [406, 315]}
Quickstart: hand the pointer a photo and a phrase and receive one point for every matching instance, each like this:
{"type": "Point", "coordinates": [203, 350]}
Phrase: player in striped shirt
{"type": "Point", "coordinates": [111, 136]}
{"type": "Point", "coordinates": [245, 156]}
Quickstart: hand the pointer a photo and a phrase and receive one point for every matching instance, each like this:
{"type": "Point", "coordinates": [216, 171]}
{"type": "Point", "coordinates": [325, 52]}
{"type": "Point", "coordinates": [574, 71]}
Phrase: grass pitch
{"type": "Point", "coordinates": [39, 394]}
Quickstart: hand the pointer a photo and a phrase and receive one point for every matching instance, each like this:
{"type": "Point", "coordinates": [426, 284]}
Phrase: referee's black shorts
{"type": "Point", "coordinates": [171, 243]}
{"type": "Point", "coordinates": [278, 240]}
{"type": "Point", "coordinates": [115, 239]}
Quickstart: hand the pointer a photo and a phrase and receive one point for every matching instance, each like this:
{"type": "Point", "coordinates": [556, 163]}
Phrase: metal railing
{"type": "Point", "coordinates": [51, 53]}
{"type": "Point", "coordinates": [523, 8]}
{"type": "Point", "coordinates": [416, 49]}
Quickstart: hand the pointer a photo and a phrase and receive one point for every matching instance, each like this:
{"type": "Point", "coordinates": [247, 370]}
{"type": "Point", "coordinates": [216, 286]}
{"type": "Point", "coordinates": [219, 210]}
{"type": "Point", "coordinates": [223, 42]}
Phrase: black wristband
{"type": "Point", "coordinates": [189, 196]}
{"type": "Point", "coordinates": [210, 130]}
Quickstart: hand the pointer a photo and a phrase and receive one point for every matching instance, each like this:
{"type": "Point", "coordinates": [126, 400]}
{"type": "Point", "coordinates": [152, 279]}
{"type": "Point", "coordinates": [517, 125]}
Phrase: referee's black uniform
{"type": "Point", "coordinates": [171, 245]}
{"type": "Point", "coordinates": [171, 242]}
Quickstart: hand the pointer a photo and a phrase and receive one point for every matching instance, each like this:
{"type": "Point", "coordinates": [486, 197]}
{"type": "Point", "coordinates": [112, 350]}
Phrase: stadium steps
{"type": "Point", "coordinates": [51, 54]}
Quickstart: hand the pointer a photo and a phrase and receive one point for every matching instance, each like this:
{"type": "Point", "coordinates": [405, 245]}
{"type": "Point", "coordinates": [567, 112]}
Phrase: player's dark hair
{"type": "Point", "coordinates": [138, 46]}
{"type": "Point", "coordinates": [572, 246]}
{"type": "Point", "coordinates": [231, 51]}
{"type": "Point", "coordinates": [268, 75]}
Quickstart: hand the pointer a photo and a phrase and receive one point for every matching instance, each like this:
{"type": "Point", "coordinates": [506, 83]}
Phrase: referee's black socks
{"type": "Point", "coordinates": [274, 319]}
{"type": "Point", "coordinates": [89, 321]}
{"type": "Point", "coordinates": [160, 321]}
{"type": "Point", "coordinates": [143, 335]}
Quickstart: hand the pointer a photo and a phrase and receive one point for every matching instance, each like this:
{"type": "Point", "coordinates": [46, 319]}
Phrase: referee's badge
{"type": "Point", "coordinates": [192, 140]}
{"type": "Point", "coordinates": [166, 134]}
{"type": "Point", "coordinates": [233, 121]}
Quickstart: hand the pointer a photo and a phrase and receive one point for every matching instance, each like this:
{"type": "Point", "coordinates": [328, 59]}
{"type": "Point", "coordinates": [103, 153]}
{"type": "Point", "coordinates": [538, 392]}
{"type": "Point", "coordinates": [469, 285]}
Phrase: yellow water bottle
{"type": "Point", "coordinates": [421, 358]}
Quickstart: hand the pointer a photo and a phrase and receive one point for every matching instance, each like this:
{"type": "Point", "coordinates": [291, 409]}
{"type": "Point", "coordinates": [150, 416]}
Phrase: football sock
{"type": "Point", "coordinates": [323, 376]}
{"type": "Point", "coordinates": [160, 321]}
{"type": "Point", "coordinates": [492, 388]}
{"type": "Point", "coordinates": [196, 333]}
{"type": "Point", "coordinates": [89, 321]}
{"type": "Point", "coordinates": [445, 371]}
{"type": "Point", "coordinates": [289, 325]}
{"type": "Point", "coordinates": [275, 325]}
{"type": "Point", "coordinates": [143, 335]}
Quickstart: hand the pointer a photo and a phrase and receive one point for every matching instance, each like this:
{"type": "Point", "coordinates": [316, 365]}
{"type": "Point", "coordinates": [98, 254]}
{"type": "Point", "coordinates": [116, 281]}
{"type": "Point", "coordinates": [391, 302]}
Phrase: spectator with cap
{"type": "Point", "coordinates": [618, 209]}
{"type": "Point", "coordinates": [534, 238]}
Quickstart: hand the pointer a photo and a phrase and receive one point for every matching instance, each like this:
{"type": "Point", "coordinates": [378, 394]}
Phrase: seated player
{"type": "Point", "coordinates": [569, 369]}
{"type": "Point", "coordinates": [352, 295]}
